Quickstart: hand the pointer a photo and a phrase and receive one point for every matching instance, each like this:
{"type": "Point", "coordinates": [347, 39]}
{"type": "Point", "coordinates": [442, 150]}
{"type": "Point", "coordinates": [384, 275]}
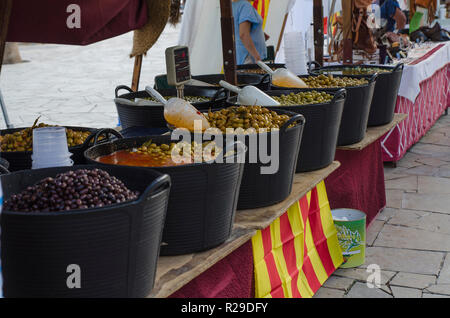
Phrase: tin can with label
{"type": "Point", "coordinates": [351, 230]}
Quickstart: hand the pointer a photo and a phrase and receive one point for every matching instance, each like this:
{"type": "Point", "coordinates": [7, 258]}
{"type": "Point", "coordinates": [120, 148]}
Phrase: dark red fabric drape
{"type": "Point", "coordinates": [232, 277]}
{"type": "Point", "coordinates": [359, 182]}
{"type": "Point", "coordinates": [45, 21]}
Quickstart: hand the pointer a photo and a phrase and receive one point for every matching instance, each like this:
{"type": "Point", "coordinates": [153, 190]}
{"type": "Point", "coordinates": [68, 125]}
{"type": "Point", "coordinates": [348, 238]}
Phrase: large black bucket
{"type": "Point", "coordinates": [132, 114]}
{"type": "Point", "coordinates": [202, 202]}
{"type": "Point", "coordinates": [115, 248]}
{"type": "Point", "coordinates": [321, 131]}
{"type": "Point", "coordinates": [385, 94]}
{"type": "Point", "coordinates": [356, 110]}
{"type": "Point", "coordinates": [21, 160]}
{"type": "Point", "coordinates": [264, 189]}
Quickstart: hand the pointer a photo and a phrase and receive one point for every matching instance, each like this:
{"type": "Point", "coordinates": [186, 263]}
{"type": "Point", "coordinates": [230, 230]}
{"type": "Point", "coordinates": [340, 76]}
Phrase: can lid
{"type": "Point", "coordinates": [347, 215]}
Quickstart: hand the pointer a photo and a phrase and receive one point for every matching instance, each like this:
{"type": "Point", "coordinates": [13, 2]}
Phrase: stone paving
{"type": "Point", "coordinates": [410, 238]}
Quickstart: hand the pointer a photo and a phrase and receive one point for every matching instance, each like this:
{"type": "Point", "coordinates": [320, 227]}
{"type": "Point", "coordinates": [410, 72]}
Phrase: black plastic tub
{"type": "Point", "coordinates": [261, 81]}
{"type": "Point", "coordinates": [115, 248]}
{"type": "Point", "coordinates": [133, 115]}
{"type": "Point", "coordinates": [4, 166]}
{"type": "Point", "coordinates": [385, 94]}
{"type": "Point", "coordinates": [264, 189]}
{"type": "Point", "coordinates": [356, 110]}
{"type": "Point", "coordinates": [21, 160]}
{"type": "Point", "coordinates": [318, 144]}
{"type": "Point", "coordinates": [202, 203]}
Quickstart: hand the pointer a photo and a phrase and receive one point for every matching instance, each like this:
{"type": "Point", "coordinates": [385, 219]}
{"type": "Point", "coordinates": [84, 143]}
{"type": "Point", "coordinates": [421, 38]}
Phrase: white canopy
{"type": "Point", "coordinates": [201, 31]}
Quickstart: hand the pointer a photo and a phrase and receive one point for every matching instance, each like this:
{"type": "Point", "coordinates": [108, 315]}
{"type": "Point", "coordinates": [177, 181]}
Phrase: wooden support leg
{"type": "Point", "coordinates": [228, 45]}
{"type": "Point", "coordinates": [136, 73]}
{"type": "Point", "coordinates": [5, 12]}
{"type": "Point", "coordinates": [347, 31]}
{"type": "Point", "coordinates": [318, 31]}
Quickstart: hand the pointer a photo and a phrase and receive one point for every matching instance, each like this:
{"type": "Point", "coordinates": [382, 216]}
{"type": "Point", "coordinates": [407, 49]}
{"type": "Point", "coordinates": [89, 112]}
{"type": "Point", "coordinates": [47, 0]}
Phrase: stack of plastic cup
{"type": "Point", "coordinates": [295, 53]}
{"type": "Point", "coordinates": [50, 148]}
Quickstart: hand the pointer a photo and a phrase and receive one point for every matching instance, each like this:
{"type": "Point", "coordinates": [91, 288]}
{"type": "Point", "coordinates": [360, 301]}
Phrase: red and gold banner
{"type": "Point", "coordinates": [296, 254]}
{"type": "Point", "coordinates": [262, 6]}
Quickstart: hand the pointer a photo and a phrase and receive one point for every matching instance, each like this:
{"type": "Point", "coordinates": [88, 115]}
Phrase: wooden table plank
{"type": "Point", "coordinates": [303, 183]}
{"type": "Point", "coordinates": [374, 133]}
{"type": "Point", "coordinates": [173, 272]}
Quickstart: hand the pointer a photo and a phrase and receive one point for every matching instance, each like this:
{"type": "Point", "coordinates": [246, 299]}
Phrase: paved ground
{"type": "Point", "coordinates": [74, 85]}
{"type": "Point", "coordinates": [410, 239]}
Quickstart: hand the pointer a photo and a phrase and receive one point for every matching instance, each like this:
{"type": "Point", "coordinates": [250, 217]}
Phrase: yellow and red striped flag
{"type": "Point", "coordinates": [296, 254]}
{"type": "Point", "coordinates": [262, 6]}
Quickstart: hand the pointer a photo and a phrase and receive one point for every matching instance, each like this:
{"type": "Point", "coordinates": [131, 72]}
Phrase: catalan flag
{"type": "Point", "coordinates": [262, 6]}
{"type": "Point", "coordinates": [296, 254]}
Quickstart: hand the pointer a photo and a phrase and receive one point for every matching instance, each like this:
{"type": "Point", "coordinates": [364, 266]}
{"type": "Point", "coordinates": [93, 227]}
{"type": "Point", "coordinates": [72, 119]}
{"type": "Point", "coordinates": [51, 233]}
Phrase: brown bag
{"type": "Point", "coordinates": [424, 3]}
{"type": "Point", "coordinates": [362, 4]}
{"type": "Point", "coordinates": [431, 5]}
{"type": "Point", "coordinates": [362, 35]}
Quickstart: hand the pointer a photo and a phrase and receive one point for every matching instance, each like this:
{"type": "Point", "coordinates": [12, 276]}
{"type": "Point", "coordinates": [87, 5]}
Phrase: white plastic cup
{"type": "Point", "coordinates": [50, 148]}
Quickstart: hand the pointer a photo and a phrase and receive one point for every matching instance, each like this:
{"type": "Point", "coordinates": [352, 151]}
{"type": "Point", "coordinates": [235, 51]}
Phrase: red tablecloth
{"type": "Point", "coordinates": [432, 101]}
{"type": "Point", "coordinates": [45, 21]}
{"type": "Point", "coordinates": [232, 277]}
{"type": "Point", "coordinates": [359, 182]}
{"type": "Point", "coordinates": [292, 257]}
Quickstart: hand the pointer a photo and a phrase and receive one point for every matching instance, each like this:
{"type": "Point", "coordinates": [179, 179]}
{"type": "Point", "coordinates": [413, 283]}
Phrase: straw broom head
{"type": "Point", "coordinates": [159, 12]}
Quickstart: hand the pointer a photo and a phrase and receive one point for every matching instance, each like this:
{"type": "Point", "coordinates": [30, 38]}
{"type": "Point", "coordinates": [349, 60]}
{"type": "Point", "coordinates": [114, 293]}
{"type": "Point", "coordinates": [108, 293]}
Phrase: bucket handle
{"type": "Point", "coordinates": [162, 182]}
{"type": "Point", "coordinates": [293, 119]}
{"type": "Point", "coordinates": [398, 66]}
{"type": "Point", "coordinates": [373, 78]}
{"type": "Point", "coordinates": [340, 93]}
{"type": "Point", "coordinates": [236, 145]}
{"type": "Point", "coordinates": [3, 170]}
{"type": "Point", "coordinates": [218, 93]}
{"type": "Point", "coordinates": [263, 78]}
{"type": "Point", "coordinates": [118, 88]}
{"type": "Point", "coordinates": [108, 132]}
{"type": "Point", "coordinates": [316, 65]}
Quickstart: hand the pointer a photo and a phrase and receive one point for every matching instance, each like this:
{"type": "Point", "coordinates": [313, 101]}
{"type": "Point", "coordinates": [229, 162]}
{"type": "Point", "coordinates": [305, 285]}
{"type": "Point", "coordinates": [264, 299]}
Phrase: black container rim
{"type": "Point", "coordinates": [393, 69]}
{"type": "Point", "coordinates": [137, 201]}
{"type": "Point", "coordinates": [277, 109]}
{"type": "Point", "coordinates": [255, 79]}
{"type": "Point", "coordinates": [339, 66]}
{"type": "Point", "coordinates": [150, 137]}
{"type": "Point", "coordinates": [132, 95]}
{"type": "Point", "coordinates": [244, 67]}
{"type": "Point", "coordinates": [93, 131]}
{"type": "Point", "coordinates": [298, 90]}
{"type": "Point", "coordinates": [330, 88]}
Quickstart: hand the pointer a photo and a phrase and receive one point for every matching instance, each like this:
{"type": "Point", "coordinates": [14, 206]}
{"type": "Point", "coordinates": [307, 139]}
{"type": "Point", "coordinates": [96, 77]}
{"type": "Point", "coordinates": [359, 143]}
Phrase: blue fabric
{"type": "Point", "coordinates": [387, 12]}
{"type": "Point", "coordinates": [243, 11]}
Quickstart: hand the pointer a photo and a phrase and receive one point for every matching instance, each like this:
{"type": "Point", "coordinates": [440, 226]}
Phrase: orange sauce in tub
{"type": "Point", "coordinates": [127, 158]}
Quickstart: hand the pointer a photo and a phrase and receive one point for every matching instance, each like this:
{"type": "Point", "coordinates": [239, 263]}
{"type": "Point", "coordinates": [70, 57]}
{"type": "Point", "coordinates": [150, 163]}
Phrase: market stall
{"type": "Point", "coordinates": [213, 224]}
{"type": "Point", "coordinates": [424, 95]}
{"type": "Point", "coordinates": [230, 270]}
